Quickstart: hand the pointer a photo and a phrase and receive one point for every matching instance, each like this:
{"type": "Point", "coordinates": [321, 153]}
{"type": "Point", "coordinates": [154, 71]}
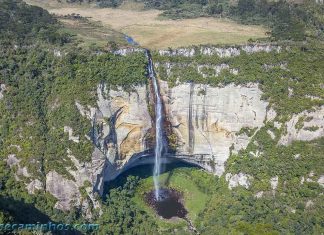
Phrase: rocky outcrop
{"type": "Point", "coordinates": [282, 66]}
{"type": "Point", "coordinates": [69, 130]}
{"type": "Point", "coordinates": [66, 191]}
{"type": "Point", "coordinates": [216, 70]}
{"type": "Point", "coordinates": [12, 160]}
{"type": "Point", "coordinates": [187, 52]}
{"type": "Point", "coordinates": [272, 135]}
{"type": "Point", "coordinates": [2, 90]}
{"type": "Point", "coordinates": [274, 182]}
{"type": "Point", "coordinates": [261, 48]}
{"type": "Point", "coordinates": [239, 179]}
{"type": "Point", "coordinates": [304, 126]}
{"type": "Point", "coordinates": [205, 70]}
{"type": "Point", "coordinates": [34, 185]}
{"type": "Point", "coordinates": [259, 194]}
{"type": "Point", "coordinates": [320, 181]}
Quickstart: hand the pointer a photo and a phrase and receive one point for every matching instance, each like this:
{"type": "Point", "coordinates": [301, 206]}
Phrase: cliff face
{"type": "Point", "coordinates": [206, 120]}
{"type": "Point", "coordinates": [120, 124]}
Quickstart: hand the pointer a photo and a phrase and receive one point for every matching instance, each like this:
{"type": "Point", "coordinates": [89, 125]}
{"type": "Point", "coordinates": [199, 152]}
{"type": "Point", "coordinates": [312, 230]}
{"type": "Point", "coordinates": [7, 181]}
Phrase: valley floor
{"type": "Point", "coordinates": [150, 31]}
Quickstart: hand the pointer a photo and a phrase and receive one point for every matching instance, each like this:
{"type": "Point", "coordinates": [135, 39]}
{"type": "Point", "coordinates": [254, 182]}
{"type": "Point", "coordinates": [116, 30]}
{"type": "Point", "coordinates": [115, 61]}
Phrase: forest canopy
{"type": "Point", "coordinates": [21, 22]}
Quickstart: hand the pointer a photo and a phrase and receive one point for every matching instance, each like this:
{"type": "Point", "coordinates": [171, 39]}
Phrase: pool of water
{"type": "Point", "coordinates": [130, 40]}
{"type": "Point", "coordinates": [169, 204]}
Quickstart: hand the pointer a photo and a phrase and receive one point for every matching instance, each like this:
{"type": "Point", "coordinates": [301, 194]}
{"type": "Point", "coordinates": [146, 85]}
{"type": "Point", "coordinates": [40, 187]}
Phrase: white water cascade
{"type": "Point", "coordinates": [158, 127]}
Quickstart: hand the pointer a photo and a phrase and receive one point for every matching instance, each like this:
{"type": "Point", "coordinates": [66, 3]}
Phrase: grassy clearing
{"type": "Point", "coordinates": [152, 32]}
{"type": "Point", "coordinates": [92, 33]}
{"type": "Point", "coordinates": [180, 179]}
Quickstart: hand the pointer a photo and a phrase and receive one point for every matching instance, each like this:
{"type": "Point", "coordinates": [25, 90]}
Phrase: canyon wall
{"type": "Point", "coordinates": [207, 125]}
{"type": "Point", "coordinates": [206, 120]}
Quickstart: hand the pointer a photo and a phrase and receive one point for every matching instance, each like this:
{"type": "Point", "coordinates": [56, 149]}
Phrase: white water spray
{"type": "Point", "coordinates": [158, 128]}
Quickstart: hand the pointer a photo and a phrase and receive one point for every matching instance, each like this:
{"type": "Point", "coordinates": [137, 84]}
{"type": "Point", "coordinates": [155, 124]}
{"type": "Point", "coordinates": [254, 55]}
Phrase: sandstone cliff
{"type": "Point", "coordinates": [206, 119]}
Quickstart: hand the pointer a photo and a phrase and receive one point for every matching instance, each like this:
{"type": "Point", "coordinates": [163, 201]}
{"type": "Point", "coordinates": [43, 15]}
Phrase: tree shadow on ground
{"type": "Point", "coordinates": [26, 213]}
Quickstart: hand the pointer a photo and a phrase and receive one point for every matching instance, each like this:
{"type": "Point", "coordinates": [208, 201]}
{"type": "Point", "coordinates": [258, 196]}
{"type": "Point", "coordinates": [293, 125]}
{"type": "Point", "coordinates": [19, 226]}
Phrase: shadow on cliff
{"type": "Point", "coordinates": [144, 171]}
{"type": "Point", "coordinates": [25, 213]}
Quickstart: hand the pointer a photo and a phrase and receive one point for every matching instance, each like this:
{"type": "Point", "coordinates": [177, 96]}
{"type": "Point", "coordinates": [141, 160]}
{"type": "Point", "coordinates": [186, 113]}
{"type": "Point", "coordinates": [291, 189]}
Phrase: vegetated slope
{"type": "Point", "coordinates": [40, 82]}
{"type": "Point", "coordinates": [23, 23]}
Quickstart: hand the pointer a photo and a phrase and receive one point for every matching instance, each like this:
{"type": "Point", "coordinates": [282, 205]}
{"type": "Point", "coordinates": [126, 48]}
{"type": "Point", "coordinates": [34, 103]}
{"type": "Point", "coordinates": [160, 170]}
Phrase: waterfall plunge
{"type": "Point", "coordinates": [158, 127]}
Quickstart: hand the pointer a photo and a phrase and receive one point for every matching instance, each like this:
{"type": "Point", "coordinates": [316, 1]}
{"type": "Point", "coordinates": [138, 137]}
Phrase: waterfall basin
{"type": "Point", "coordinates": [168, 205]}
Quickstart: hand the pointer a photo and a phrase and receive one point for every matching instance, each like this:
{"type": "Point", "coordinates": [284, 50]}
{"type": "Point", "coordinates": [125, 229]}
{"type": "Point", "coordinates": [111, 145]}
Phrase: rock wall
{"type": "Point", "coordinates": [222, 52]}
{"type": "Point", "coordinates": [206, 119]}
{"type": "Point", "coordinates": [120, 125]}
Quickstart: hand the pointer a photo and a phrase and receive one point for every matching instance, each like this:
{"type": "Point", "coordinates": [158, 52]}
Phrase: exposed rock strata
{"type": "Point", "coordinates": [125, 51]}
{"type": "Point", "coordinates": [221, 52]}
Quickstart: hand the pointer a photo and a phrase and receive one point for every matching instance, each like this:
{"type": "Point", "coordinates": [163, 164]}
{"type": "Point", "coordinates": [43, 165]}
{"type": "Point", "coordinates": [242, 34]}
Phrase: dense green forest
{"type": "Point", "coordinates": [20, 22]}
{"type": "Point", "coordinates": [41, 67]}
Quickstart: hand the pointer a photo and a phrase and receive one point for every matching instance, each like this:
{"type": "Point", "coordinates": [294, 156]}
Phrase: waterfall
{"type": "Point", "coordinates": [158, 127]}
